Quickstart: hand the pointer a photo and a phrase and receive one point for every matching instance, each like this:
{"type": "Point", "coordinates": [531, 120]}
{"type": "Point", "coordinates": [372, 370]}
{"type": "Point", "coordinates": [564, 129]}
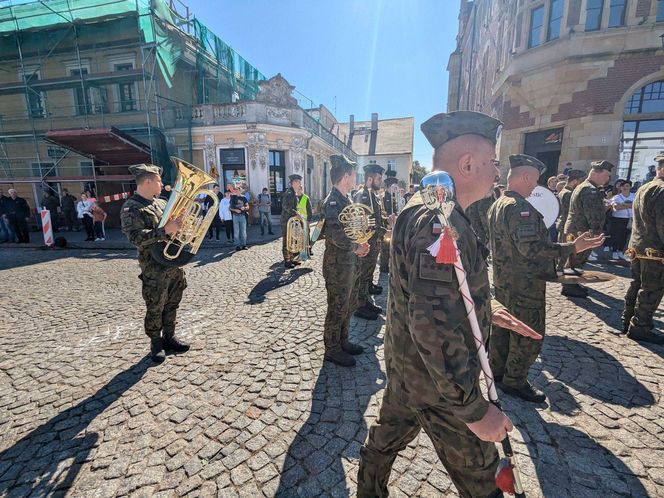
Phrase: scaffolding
{"type": "Point", "coordinates": [124, 65]}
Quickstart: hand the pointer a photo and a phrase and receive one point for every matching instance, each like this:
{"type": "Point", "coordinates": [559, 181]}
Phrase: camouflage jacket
{"type": "Point", "coordinates": [565, 196]}
{"type": "Point", "coordinates": [586, 209]}
{"type": "Point", "coordinates": [648, 221]}
{"type": "Point", "coordinates": [336, 240]}
{"type": "Point", "coordinates": [522, 251]}
{"type": "Point", "coordinates": [477, 213]}
{"type": "Point", "coordinates": [140, 218]}
{"type": "Point", "coordinates": [369, 198]}
{"type": "Point", "coordinates": [430, 354]}
{"type": "Point", "coordinates": [288, 205]}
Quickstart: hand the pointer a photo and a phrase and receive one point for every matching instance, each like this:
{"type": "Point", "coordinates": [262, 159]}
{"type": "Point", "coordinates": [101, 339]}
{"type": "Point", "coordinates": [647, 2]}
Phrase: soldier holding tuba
{"type": "Point", "coordinates": [392, 202]}
{"type": "Point", "coordinates": [162, 285]}
{"type": "Point", "coordinates": [289, 217]}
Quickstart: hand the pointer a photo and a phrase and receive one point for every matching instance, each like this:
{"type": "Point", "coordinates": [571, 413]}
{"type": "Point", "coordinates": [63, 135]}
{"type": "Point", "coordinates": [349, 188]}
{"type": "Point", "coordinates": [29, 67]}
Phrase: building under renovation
{"type": "Point", "coordinates": [89, 87]}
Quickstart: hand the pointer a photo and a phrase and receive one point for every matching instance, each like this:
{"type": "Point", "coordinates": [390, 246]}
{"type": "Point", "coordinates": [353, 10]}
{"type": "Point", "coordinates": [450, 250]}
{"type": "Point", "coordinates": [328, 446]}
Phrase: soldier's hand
{"type": "Point", "coordinates": [506, 320]}
{"type": "Point", "coordinates": [586, 241]}
{"type": "Point", "coordinates": [493, 427]}
{"type": "Point", "coordinates": [173, 226]}
{"type": "Point", "coordinates": [362, 249]}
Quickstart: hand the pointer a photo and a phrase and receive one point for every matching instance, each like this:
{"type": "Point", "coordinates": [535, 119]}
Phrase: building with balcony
{"type": "Point", "coordinates": [572, 80]}
{"type": "Point", "coordinates": [93, 86]}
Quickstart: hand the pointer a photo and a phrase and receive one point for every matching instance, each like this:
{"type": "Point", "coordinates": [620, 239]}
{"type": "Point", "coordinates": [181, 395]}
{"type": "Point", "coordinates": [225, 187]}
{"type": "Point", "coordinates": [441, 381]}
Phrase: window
{"type": "Point", "coordinates": [594, 14]}
{"type": "Point", "coordinates": [126, 91]}
{"type": "Point", "coordinates": [81, 99]}
{"type": "Point", "coordinates": [617, 13]}
{"type": "Point", "coordinates": [555, 19]}
{"type": "Point", "coordinates": [392, 164]}
{"type": "Point", "coordinates": [660, 10]}
{"type": "Point", "coordinates": [35, 97]}
{"type": "Point", "coordinates": [86, 168]}
{"type": "Point", "coordinates": [536, 24]}
{"type": "Point", "coordinates": [650, 98]}
{"type": "Point", "coordinates": [43, 169]}
{"type": "Point", "coordinates": [276, 159]}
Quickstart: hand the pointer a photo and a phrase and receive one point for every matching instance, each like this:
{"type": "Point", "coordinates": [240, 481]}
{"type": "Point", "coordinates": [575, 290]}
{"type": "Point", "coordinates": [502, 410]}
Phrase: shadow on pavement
{"type": "Point", "coordinates": [334, 431]}
{"type": "Point", "coordinates": [50, 457]}
{"type": "Point", "coordinates": [594, 372]}
{"type": "Point", "coordinates": [568, 462]}
{"type": "Point", "coordinates": [276, 278]}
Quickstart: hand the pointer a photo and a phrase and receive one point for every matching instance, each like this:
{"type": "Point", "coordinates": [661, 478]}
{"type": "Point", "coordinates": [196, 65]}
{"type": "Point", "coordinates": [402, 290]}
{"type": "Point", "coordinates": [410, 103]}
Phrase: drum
{"type": "Point", "coordinates": [546, 203]}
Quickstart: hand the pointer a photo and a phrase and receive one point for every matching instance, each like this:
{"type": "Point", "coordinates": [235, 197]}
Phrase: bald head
{"type": "Point", "coordinates": [470, 161]}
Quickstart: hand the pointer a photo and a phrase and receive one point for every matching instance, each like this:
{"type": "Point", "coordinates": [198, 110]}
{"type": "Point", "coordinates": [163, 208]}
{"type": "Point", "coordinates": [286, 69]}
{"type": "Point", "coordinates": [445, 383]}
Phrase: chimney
{"type": "Point", "coordinates": [352, 124]}
{"type": "Point", "coordinates": [351, 131]}
{"type": "Point", "coordinates": [374, 134]}
{"type": "Point", "coordinates": [374, 121]}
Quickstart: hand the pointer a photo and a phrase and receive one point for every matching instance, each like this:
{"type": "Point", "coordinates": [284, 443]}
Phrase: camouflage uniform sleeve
{"type": "Point", "coordinates": [592, 205]}
{"type": "Point", "coordinates": [530, 237]}
{"type": "Point", "coordinates": [659, 218]}
{"type": "Point", "coordinates": [442, 334]}
{"type": "Point", "coordinates": [288, 206]}
{"type": "Point", "coordinates": [133, 226]}
{"type": "Point", "coordinates": [334, 231]}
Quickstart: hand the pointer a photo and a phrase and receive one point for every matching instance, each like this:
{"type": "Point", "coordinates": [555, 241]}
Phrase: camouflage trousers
{"type": "Point", "coordinates": [162, 293]}
{"type": "Point", "coordinates": [385, 256]}
{"type": "Point", "coordinates": [367, 266]}
{"type": "Point", "coordinates": [339, 275]}
{"type": "Point", "coordinates": [643, 296]}
{"type": "Point", "coordinates": [510, 354]}
{"type": "Point", "coordinates": [470, 462]}
{"type": "Point", "coordinates": [288, 256]}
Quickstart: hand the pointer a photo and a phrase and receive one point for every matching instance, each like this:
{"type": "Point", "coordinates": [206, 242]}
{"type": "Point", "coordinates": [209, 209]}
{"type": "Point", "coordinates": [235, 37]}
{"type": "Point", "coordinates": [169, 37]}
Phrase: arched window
{"type": "Point", "coordinates": [642, 139]}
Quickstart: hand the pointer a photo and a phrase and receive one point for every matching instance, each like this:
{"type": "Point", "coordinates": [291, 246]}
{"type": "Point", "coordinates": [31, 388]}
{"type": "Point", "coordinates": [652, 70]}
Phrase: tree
{"type": "Point", "coordinates": [418, 172]}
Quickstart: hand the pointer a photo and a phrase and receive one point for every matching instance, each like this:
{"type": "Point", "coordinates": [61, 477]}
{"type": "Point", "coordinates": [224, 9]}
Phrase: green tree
{"type": "Point", "coordinates": [418, 172]}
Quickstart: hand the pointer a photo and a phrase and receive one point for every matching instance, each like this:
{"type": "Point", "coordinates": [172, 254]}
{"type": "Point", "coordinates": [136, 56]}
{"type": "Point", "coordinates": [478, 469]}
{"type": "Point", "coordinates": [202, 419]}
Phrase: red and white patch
{"type": "Point", "coordinates": [525, 214]}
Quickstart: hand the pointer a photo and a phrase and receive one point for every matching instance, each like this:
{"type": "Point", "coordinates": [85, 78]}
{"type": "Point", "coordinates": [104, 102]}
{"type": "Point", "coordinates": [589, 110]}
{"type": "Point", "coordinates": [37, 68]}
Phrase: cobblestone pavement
{"type": "Point", "coordinates": [252, 410]}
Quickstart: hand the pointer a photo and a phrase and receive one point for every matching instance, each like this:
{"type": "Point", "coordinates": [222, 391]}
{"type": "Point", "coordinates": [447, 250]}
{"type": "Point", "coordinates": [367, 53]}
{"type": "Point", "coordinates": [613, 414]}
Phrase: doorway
{"type": "Point", "coordinates": [277, 179]}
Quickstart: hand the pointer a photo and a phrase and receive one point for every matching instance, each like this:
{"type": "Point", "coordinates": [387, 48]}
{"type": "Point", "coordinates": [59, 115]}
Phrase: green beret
{"type": "Point", "coordinates": [519, 160]}
{"type": "Point", "coordinates": [659, 158]}
{"type": "Point", "coordinates": [390, 180]}
{"type": "Point", "coordinates": [443, 127]}
{"type": "Point", "coordinates": [143, 169]}
{"type": "Point", "coordinates": [600, 165]}
{"type": "Point", "coordinates": [575, 174]}
{"type": "Point", "coordinates": [292, 178]}
{"type": "Point", "coordinates": [374, 168]}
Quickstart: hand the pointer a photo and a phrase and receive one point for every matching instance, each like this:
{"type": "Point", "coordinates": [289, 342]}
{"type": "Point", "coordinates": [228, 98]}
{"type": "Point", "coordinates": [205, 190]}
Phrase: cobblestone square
{"type": "Point", "coordinates": [252, 410]}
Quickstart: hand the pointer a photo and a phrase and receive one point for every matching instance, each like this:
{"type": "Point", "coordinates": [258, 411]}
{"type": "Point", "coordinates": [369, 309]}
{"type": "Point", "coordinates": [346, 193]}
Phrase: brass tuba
{"type": "Point", "coordinates": [182, 245]}
{"type": "Point", "coordinates": [295, 234]}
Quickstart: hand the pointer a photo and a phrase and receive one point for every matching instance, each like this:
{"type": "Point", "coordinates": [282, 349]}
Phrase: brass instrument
{"type": "Point", "coordinates": [296, 237]}
{"type": "Point", "coordinates": [182, 245]}
{"type": "Point", "coordinates": [357, 220]}
{"type": "Point", "coordinates": [651, 254]}
{"type": "Point", "coordinates": [395, 208]}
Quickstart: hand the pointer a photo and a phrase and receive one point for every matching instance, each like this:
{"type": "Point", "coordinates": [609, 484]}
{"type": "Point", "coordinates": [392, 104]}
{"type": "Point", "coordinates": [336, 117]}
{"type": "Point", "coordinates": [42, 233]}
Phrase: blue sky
{"type": "Point", "coordinates": [384, 56]}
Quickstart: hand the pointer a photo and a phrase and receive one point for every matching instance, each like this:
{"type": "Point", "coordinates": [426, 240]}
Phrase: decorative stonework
{"type": "Point", "coordinates": [297, 148]}
{"type": "Point", "coordinates": [277, 113]}
{"type": "Point", "coordinates": [257, 149]}
{"type": "Point", "coordinates": [229, 111]}
{"type": "Point", "coordinates": [210, 156]}
{"type": "Point", "coordinates": [231, 143]}
{"type": "Point", "coordinates": [276, 91]}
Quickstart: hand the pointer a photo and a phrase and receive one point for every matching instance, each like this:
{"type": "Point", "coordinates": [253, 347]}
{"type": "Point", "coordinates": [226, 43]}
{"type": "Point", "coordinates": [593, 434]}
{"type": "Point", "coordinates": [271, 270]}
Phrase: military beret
{"type": "Point", "coordinates": [443, 127]}
{"type": "Point", "coordinates": [575, 174]}
{"type": "Point", "coordinates": [659, 158]}
{"type": "Point", "coordinates": [374, 168]}
{"type": "Point", "coordinates": [519, 160]}
{"type": "Point", "coordinates": [339, 161]}
{"type": "Point", "coordinates": [292, 178]}
{"type": "Point", "coordinates": [603, 164]}
{"type": "Point", "coordinates": [143, 169]}
{"type": "Point", "coordinates": [390, 173]}
{"type": "Point", "coordinates": [391, 180]}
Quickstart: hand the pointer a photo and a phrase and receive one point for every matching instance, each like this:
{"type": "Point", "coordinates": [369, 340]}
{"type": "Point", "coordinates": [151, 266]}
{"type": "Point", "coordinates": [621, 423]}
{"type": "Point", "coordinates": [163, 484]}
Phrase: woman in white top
{"type": "Point", "coordinates": [621, 204]}
{"type": "Point", "coordinates": [84, 213]}
{"type": "Point", "coordinates": [226, 216]}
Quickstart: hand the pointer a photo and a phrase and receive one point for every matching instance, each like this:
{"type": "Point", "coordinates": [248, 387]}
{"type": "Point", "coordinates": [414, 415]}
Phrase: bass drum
{"type": "Point", "coordinates": [546, 203]}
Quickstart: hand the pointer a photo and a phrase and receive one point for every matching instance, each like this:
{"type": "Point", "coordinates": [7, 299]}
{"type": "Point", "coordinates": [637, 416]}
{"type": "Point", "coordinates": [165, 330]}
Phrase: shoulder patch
{"type": "Point", "coordinates": [525, 214]}
{"type": "Point", "coordinates": [333, 203]}
{"type": "Point", "coordinates": [126, 209]}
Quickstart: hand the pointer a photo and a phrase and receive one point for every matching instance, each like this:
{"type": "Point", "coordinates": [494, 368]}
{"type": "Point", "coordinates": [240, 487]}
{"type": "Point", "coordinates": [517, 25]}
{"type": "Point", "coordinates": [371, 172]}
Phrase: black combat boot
{"type": "Point", "coordinates": [157, 352]}
{"type": "Point", "coordinates": [351, 348]}
{"type": "Point", "coordinates": [366, 313]}
{"type": "Point", "coordinates": [649, 337]}
{"type": "Point", "coordinates": [375, 289]}
{"type": "Point", "coordinates": [525, 392]}
{"type": "Point", "coordinates": [340, 358]}
{"type": "Point", "coordinates": [174, 345]}
{"type": "Point", "coordinates": [574, 290]}
{"type": "Point", "coordinates": [376, 309]}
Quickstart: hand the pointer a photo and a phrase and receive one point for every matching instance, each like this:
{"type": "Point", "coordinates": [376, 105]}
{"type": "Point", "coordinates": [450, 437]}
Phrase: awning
{"type": "Point", "coordinates": [105, 145]}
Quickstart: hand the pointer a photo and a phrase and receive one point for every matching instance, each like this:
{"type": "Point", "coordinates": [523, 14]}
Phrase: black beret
{"type": "Point", "coordinates": [519, 160]}
{"type": "Point", "coordinates": [443, 127]}
{"type": "Point", "coordinates": [341, 163]}
{"type": "Point", "coordinates": [390, 180]}
{"type": "Point", "coordinates": [143, 169]}
{"type": "Point", "coordinates": [390, 173]}
{"type": "Point", "coordinates": [374, 168]}
{"type": "Point", "coordinates": [603, 164]}
{"type": "Point", "coordinates": [659, 158]}
{"type": "Point", "coordinates": [292, 178]}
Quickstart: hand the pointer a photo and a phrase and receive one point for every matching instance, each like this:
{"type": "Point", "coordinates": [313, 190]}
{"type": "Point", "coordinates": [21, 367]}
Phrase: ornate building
{"type": "Point", "coordinates": [573, 80]}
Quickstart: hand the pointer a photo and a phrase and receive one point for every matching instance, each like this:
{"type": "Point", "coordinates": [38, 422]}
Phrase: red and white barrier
{"type": "Point", "coordinates": [114, 197]}
{"type": "Point", "coordinates": [47, 228]}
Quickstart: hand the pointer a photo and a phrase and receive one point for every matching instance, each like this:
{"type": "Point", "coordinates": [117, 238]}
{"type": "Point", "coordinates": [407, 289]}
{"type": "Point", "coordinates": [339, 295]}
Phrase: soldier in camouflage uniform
{"type": "Point", "coordinates": [574, 177]}
{"type": "Point", "coordinates": [587, 212]}
{"type": "Point", "coordinates": [391, 209]}
{"type": "Point", "coordinates": [477, 213]}
{"type": "Point", "coordinates": [523, 259]}
{"type": "Point", "coordinates": [431, 360]}
{"type": "Point", "coordinates": [288, 210]}
{"type": "Point", "coordinates": [162, 285]}
{"type": "Point", "coordinates": [373, 177]}
{"type": "Point", "coordinates": [647, 287]}
{"type": "Point", "coordinates": [339, 266]}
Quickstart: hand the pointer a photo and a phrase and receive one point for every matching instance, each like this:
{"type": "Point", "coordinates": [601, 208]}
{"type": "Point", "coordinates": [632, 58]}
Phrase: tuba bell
{"type": "Point", "coordinates": [295, 235]}
{"type": "Point", "coordinates": [181, 246]}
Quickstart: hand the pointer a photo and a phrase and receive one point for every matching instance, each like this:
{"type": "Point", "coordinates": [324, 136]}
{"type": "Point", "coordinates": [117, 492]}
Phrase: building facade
{"type": "Point", "coordinates": [572, 80]}
{"type": "Point", "coordinates": [387, 142]}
